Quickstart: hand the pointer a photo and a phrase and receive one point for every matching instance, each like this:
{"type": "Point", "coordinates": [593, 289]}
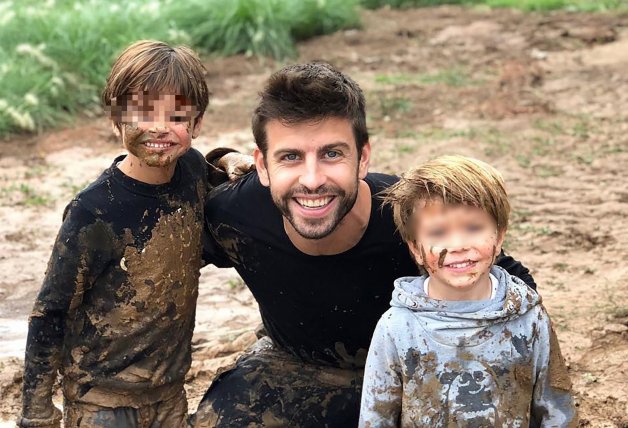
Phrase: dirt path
{"type": "Point", "coordinates": [542, 97]}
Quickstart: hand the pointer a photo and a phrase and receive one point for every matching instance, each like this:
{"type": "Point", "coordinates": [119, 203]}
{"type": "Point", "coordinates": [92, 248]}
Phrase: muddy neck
{"type": "Point", "coordinates": [346, 235]}
{"type": "Point", "coordinates": [133, 167]}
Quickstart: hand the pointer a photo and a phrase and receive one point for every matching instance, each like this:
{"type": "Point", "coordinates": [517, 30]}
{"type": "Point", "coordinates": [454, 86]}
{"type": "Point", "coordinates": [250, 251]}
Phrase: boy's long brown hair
{"type": "Point", "coordinates": [310, 92]}
{"type": "Point", "coordinates": [154, 66]}
{"type": "Point", "coordinates": [452, 180]}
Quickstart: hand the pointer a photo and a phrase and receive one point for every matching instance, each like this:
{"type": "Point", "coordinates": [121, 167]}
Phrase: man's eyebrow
{"type": "Point", "coordinates": [282, 152]}
{"type": "Point", "coordinates": [335, 145]}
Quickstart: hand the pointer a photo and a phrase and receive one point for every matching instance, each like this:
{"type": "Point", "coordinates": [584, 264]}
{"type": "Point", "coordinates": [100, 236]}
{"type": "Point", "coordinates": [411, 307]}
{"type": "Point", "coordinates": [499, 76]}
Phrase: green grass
{"type": "Point", "coordinates": [454, 77]}
{"type": "Point", "coordinates": [55, 55]}
{"type": "Point", "coordinates": [528, 5]}
{"type": "Point", "coordinates": [394, 106]}
{"type": "Point", "coordinates": [23, 194]}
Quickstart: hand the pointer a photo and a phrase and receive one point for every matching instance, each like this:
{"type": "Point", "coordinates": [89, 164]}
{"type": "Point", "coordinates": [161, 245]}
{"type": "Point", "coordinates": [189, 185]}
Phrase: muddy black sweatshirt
{"type": "Point", "coordinates": [322, 309]}
{"type": "Point", "coordinates": [116, 310]}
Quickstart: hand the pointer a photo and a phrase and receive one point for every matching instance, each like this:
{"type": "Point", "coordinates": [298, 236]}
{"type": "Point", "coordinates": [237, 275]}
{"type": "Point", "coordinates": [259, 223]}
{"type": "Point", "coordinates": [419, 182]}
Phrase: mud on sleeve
{"type": "Point", "coordinates": [382, 388]}
{"type": "Point", "coordinates": [216, 174]}
{"type": "Point", "coordinates": [70, 270]}
{"type": "Point", "coordinates": [552, 401]}
{"type": "Point", "coordinates": [515, 268]}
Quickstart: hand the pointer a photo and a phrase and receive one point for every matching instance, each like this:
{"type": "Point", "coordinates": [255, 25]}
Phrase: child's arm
{"type": "Point", "coordinates": [382, 388]}
{"type": "Point", "coordinates": [69, 270]}
{"type": "Point", "coordinates": [552, 401]}
{"type": "Point", "coordinates": [227, 165]}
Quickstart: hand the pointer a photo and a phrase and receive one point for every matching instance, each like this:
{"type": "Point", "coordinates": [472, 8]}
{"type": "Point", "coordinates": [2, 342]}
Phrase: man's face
{"type": "Point", "coordinates": [313, 171]}
{"type": "Point", "coordinates": [155, 128]}
{"type": "Point", "coordinates": [457, 244]}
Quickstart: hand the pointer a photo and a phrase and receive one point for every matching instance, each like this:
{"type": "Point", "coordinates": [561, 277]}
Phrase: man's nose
{"type": "Point", "coordinates": [313, 175]}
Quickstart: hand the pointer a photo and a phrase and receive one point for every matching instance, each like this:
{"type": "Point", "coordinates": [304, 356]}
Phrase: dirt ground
{"type": "Point", "coordinates": [543, 97]}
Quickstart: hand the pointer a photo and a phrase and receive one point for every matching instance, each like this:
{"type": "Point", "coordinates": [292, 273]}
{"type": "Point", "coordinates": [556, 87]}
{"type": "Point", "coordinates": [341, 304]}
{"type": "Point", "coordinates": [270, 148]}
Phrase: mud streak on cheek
{"type": "Point", "coordinates": [441, 257]}
{"type": "Point", "coordinates": [424, 257]}
{"type": "Point", "coordinates": [131, 135]}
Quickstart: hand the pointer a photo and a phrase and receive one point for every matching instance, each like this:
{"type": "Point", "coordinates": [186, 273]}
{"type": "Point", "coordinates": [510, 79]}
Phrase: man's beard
{"type": "Point", "coordinates": [317, 228]}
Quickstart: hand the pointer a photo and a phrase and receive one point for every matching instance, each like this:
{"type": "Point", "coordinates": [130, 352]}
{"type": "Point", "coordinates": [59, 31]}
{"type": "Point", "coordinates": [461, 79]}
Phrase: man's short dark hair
{"type": "Point", "coordinates": [311, 92]}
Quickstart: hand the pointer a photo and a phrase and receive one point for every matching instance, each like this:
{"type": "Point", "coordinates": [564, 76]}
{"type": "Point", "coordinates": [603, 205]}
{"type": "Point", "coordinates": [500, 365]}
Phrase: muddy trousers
{"type": "Point", "coordinates": [270, 388]}
{"type": "Point", "coordinates": [170, 413]}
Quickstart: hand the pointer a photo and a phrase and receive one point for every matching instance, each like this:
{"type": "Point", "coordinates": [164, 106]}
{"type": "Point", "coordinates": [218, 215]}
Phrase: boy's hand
{"type": "Point", "coordinates": [52, 421]}
{"type": "Point", "coordinates": [236, 164]}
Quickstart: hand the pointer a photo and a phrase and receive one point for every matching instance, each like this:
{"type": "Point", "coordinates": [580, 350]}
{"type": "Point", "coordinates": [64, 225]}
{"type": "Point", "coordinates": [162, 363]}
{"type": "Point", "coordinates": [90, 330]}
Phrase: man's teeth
{"type": "Point", "coordinates": [158, 145]}
{"type": "Point", "coordinates": [460, 265]}
{"type": "Point", "coordinates": [314, 203]}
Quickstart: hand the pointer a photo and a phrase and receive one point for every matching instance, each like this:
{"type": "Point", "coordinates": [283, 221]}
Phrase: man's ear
{"type": "Point", "coordinates": [260, 167]}
{"type": "Point", "coordinates": [416, 252]}
{"type": "Point", "coordinates": [365, 158]}
{"type": "Point", "coordinates": [196, 130]}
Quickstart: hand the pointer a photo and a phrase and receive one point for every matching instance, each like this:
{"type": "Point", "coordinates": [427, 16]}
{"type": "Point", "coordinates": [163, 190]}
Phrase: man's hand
{"type": "Point", "coordinates": [235, 164]}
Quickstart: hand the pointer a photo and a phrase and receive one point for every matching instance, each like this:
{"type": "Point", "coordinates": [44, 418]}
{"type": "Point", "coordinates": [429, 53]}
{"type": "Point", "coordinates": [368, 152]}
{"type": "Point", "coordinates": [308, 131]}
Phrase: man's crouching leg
{"type": "Point", "coordinates": [269, 387]}
{"type": "Point", "coordinates": [169, 413]}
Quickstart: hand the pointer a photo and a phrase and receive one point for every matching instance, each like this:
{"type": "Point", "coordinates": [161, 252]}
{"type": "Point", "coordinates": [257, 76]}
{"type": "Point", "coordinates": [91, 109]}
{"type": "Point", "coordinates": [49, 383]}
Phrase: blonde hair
{"type": "Point", "coordinates": [154, 66]}
{"type": "Point", "coordinates": [452, 180]}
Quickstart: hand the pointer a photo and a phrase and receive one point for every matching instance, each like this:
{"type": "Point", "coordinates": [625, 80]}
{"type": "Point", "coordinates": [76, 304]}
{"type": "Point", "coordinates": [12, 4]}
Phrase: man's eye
{"type": "Point", "coordinates": [290, 157]}
{"type": "Point", "coordinates": [332, 154]}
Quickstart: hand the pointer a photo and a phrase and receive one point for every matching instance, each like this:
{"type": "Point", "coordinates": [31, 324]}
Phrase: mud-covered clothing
{"type": "Point", "coordinates": [116, 310]}
{"type": "Point", "coordinates": [319, 311]}
{"type": "Point", "coordinates": [435, 363]}
{"type": "Point", "coordinates": [171, 412]}
{"type": "Point", "coordinates": [271, 388]}
{"type": "Point", "coordinates": [322, 309]}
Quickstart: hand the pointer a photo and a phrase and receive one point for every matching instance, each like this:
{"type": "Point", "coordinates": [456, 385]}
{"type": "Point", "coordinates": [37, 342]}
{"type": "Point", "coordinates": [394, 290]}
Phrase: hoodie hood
{"type": "Point", "coordinates": [466, 322]}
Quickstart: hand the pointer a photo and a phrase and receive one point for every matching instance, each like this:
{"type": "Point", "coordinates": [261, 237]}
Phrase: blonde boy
{"type": "Point", "coordinates": [116, 310]}
{"type": "Point", "coordinates": [467, 344]}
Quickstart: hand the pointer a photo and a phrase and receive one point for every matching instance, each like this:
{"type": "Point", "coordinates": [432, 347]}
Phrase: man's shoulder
{"type": "Point", "coordinates": [379, 181]}
{"type": "Point", "coordinates": [248, 187]}
{"type": "Point", "coordinates": [245, 197]}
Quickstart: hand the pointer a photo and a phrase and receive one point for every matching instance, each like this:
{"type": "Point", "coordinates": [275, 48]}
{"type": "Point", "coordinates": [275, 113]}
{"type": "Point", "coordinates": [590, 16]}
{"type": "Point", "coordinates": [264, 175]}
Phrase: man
{"type": "Point", "coordinates": [316, 248]}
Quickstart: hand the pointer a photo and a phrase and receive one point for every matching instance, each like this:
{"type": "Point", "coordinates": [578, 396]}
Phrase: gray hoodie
{"type": "Point", "coordinates": [435, 363]}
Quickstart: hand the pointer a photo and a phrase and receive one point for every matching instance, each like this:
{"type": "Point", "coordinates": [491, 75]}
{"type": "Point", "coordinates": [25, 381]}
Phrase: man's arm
{"type": "Point", "coordinates": [552, 401]}
{"type": "Point", "coordinates": [227, 165]}
{"type": "Point", "coordinates": [62, 290]}
{"type": "Point", "coordinates": [382, 388]}
{"type": "Point", "coordinates": [515, 268]}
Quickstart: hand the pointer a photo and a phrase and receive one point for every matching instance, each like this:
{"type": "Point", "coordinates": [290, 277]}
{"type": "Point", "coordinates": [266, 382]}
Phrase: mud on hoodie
{"type": "Point", "coordinates": [496, 362]}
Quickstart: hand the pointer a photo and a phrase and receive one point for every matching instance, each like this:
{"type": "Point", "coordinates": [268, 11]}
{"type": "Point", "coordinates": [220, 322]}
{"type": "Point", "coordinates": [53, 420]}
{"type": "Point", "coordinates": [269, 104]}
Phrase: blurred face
{"type": "Point", "coordinates": [457, 244]}
{"type": "Point", "coordinates": [313, 171]}
{"type": "Point", "coordinates": [155, 128]}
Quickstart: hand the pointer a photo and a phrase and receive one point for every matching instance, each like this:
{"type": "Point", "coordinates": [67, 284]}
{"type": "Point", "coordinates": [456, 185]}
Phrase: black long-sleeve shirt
{"type": "Point", "coordinates": [116, 310]}
{"type": "Point", "coordinates": [320, 308]}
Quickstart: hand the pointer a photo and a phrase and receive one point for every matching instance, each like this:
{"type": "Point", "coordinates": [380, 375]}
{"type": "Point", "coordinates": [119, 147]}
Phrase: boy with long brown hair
{"type": "Point", "coordinates": [116, 311]}
{"type": "Point", "coordinates": [468, 344]}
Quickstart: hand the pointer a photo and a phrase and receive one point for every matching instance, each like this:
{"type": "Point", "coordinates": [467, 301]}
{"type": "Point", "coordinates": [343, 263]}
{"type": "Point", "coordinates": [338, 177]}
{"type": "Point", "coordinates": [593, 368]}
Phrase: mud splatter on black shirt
{"type": "Point", "coordinates": [116, 311]}
{"type": "Point", "coordinates": [320, 308]}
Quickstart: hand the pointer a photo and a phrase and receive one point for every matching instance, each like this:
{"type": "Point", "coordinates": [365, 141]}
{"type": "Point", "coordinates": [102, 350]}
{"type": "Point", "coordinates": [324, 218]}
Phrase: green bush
{"type": "Point", "coordinates": [55, 55]}
{"type": "Point", "coordinates": [538, 5]}
{"type": "Point", "coordinates": [374, 4]}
